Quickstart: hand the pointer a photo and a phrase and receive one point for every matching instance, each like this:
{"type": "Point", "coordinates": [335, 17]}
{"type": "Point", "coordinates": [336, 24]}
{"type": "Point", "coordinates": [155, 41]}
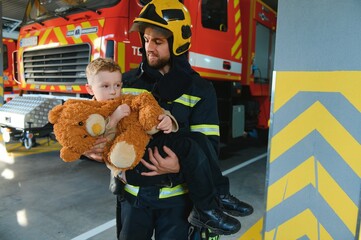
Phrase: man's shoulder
{"type": "Point", "coordinates": [130, 76]}
{"type": "Point", "coordinates": [131, 72]}
{"type": "Point", "coordinates": [201, 83]}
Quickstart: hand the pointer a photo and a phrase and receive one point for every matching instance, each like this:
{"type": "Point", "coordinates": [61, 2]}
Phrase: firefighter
{"type": "Point", "coordinates": [154, 202]}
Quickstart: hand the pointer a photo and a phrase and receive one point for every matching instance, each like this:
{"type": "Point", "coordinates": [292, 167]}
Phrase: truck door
{"type": "Point", "coordinates": [216, 41]}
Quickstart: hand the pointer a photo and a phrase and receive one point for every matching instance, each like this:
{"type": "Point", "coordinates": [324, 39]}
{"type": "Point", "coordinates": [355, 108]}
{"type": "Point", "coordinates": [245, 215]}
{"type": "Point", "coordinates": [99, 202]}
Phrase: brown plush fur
{"type": "Point", "coordinates": [132, 133]}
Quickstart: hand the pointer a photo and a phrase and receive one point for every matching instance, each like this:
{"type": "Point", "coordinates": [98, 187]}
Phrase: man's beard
{"type": "Point", "coordinates": [159, 64]}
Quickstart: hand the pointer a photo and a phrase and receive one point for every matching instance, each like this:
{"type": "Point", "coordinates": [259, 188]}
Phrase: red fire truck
{"type": "Point", "coordinates": [11, 87]}
{"type": "Point", "coordinates": [232, 46]}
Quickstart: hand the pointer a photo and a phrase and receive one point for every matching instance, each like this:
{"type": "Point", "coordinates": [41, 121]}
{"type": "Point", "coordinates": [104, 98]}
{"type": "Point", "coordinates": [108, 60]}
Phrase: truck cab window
{"type": "Point", "coordinates": [214, 14]}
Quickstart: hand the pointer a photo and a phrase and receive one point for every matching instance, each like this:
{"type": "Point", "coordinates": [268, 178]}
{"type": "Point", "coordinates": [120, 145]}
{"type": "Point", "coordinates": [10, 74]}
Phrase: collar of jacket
{"type": "Point", "coordinates": [173, 84]}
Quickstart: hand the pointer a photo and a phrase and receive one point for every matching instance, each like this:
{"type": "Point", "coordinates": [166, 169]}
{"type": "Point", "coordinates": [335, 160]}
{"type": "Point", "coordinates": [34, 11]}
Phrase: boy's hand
{"type": "Point", "coordinates": [165, 124]}
{"type": "Point", "coordinates": [121, 111]}
{"type": "Point", "coordinates": [96, 152]}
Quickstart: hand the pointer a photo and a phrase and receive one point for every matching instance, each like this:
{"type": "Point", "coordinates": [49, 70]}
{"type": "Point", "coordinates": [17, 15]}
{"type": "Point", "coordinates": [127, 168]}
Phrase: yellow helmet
{"type": "Point", "coordinates": [171, 15]}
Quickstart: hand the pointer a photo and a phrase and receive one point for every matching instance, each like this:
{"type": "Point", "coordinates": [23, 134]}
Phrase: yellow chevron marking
{"type": "Point", "coordinates": [324, 234]}
{"type": "Point", "coordinates": [255, 232]}
{"type": "Point", "coordinates": [52, 88]}
{"type": "Point", "coordinates": [239, 54]}
{"type": "Point", "coordinates": [304, 224]}
{"type": "Point", "coordinates": [236, 50]}
{"type": "Point", "coordinates": [43, 87]}
{"type": "Point", "coordinates": [59, 34]}
{"type": "Point", "coordinates": [121, 54]}
{"type": "Point", "coordinates": [237, 16]}
{"type": "Point", "coordinates": [317, 117]}
{"type": "Point", "coordinates": [238, 29]}
{"type": "Point", "coordinates": [290, 83]}
{"type": "Point", "coordinates": [92, 36]}
{"type": "Point", "coordinates": [101, 22]}
{"type": "Point", "coordinates": [45, 36]}
{"type": "Point", "coordinates": [338, 200]}
{"type": "Point", "coordinates": [62, 87]}
{"type": "Point", "coordinates": [332, 193]}
{"type": "Point", "coordinates": [236, 45]}
{"type": "Point", "coordinates": [70, 27]}
{"type": "Point", "coordinates": [291, 183]}
{"type": "Point", "coordinates": [77, 40]}
{"type": "Point", "coordinates": [76, 88]}
{"type": "Point", "coordinates": [270, 235]}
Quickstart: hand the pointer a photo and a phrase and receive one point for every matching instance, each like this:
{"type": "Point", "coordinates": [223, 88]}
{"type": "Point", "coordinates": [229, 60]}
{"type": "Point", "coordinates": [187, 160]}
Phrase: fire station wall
{"type": "Point", "coordinates": [318, 35]}
{"type": "Point", "coordinates": [314, 172]}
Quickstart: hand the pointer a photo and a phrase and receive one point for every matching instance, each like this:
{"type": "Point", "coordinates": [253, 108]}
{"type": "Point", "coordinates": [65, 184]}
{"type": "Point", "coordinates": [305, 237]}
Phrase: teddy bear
{"type": "Point", "coordinates": [78, 122]}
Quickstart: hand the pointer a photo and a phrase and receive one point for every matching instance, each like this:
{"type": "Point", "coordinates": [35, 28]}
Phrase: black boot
{"type": "Point", "coordinates": [233, 206]}
{"type": "Point", "coordinates": [215, 220]}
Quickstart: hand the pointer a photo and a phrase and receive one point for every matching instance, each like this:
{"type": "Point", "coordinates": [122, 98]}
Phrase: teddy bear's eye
{"type": "Point", "coordinates": [81, 123]}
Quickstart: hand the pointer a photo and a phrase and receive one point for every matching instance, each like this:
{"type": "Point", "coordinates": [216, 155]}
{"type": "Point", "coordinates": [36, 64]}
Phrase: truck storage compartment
{"type": "Point", "coordinates": [22, 110]}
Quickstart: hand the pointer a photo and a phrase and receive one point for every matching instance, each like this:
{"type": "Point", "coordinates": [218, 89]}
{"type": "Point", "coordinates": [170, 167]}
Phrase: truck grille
{"type": "Point", "coordinates": [61, 65]}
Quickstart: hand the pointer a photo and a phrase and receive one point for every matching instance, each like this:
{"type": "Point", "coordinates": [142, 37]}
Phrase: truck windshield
{"type": "Point", "coordinates": [40, 10]}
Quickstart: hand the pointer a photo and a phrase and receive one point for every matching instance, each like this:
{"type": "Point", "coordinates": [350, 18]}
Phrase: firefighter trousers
{"type": "Point", "coordinates": [147, 211]}
{"type": "Point", "coordinates": [140, 220]}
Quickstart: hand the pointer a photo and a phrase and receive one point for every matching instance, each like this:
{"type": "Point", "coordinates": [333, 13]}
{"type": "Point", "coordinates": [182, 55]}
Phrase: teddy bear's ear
{"type": "Point", "coordinates": [55, 113]}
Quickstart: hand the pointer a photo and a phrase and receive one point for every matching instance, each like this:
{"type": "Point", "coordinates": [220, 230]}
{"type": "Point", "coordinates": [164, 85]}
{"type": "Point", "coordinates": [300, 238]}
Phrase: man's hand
{"type": "Point", "coordinates": [160, 165]}
{"type": "Point", "coordinates": [96, 152]}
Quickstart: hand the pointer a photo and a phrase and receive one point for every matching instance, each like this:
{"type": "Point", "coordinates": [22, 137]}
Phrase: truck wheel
{"type": "Point", "coordinates": [28, 143]}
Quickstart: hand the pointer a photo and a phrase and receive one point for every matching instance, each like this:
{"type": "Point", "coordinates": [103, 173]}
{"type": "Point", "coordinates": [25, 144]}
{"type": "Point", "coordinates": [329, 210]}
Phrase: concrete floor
{"type": "Point", "coordinates": [43, 198]}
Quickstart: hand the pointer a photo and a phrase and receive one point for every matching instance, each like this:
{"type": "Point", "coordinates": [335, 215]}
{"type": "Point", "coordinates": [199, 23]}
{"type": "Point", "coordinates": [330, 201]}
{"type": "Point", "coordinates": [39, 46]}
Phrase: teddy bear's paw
{"type": "Point", "coordinates": [153, 131]}
{"type": "Point", "coordinates": [122, 155]}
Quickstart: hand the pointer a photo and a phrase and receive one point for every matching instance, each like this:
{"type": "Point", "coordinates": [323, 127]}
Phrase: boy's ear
{"type": "Point", "coordinates": [89, 89]}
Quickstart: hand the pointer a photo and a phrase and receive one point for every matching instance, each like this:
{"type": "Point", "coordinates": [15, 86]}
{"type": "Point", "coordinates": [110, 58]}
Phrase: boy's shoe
{"type": "Point", "coordinates": [215, 220]}
{"type": "Point", "coordinates": [234, 206]}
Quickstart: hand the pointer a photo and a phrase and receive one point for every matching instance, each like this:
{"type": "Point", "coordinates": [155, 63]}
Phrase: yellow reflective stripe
{"type": "Point", "coordinates": [131, 189]}
{"type": "Point", "coordinates": [134, 91]}
{"type": "Point", "coordinates": [174, 191]}
{"type": "Point", "coordinates": [206, 129]}
{"type": "Point", "coordinates": [165, 192]}
{"type": "Point", "coordinates": [187, 100]}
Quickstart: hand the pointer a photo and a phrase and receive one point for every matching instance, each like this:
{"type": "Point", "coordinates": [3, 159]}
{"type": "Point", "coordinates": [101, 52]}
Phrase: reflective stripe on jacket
{"type": "Point", "coordinates": [165, 192]}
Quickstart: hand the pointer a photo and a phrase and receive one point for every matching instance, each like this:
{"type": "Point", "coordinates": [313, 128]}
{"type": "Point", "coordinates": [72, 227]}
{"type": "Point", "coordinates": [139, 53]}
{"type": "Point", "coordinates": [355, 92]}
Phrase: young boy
{"type": "Point", "coordinates": [104, 83]}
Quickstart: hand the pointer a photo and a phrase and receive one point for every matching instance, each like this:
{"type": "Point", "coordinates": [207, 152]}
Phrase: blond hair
{"type": "Point", "coordinates": [99, 65]}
